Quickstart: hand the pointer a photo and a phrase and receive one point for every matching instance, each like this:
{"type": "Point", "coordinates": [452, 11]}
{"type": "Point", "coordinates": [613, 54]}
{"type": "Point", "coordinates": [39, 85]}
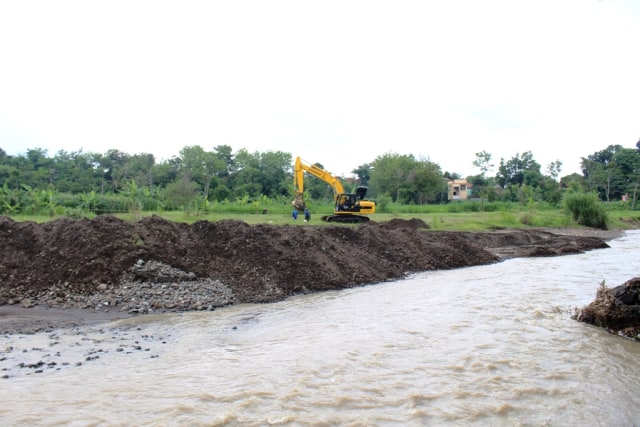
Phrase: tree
{"type": "Point", "coordinates": [224, 153]}
{"type": "Point", "coordinates": [34, 169]}
{"type": "Point", "coordinates": [550, 190]}
{"type": "Point", "coordinates": [451, 175]}
{"type": "Point", "coordinates": [114, 166]}
{"type": "Point", "coordinates": [258, 173]}
{"type": "Point", "coordinates": [245, 171]}
{"type": "Point", "coordinates": [481, 183]}
{"type": "Point", "coordinates": [483, 162]}
{"type": "Point", "coordinates": [406, 179]}
{"type": "Point", "coordinates": [553, 169]}
{"type": "Point", "coordinates": [519, 170]}
{"type": "Point", "coordinates": [76, 172]}
{"type": "Point", "coordinates": [201, 166]}
{"type": "Point", "coordinates": [166, 172]}
{"type": "Point", "coordinates": [275, 168]}
{"type": "Point", "coordinates": [627, 161]}
{"type": "Point", "coordinates": [390, 174]}
{"type": "Point", "coordinates": [425, 182]}
{"type": "Point", "coordinates": [181, 193]}
{"type": "Point", "coordinates": [363, 174]}
{"type": "Point", "coordinates": [602, 173]}
{"type": "Point", "coordinates": [220, 193]}
{"type": "Point", "coordinates": [140, 166]}
{"type": "Point", "coordinates": [574, 183]}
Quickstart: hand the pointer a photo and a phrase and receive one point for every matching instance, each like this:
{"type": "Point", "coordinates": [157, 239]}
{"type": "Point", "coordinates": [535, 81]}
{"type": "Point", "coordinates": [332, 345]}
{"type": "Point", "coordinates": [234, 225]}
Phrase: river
{"type": "Point", "coordinates": [489, 345]}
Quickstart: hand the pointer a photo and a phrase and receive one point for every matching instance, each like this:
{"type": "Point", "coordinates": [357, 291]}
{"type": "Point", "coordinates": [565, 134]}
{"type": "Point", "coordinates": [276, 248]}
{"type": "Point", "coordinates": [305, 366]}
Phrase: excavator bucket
{"type": "Point", "coordinates": [298, 202]}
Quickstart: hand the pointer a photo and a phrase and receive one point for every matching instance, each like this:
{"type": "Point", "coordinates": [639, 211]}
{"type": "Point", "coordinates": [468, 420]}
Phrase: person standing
{"type": "Point", "coordinates": [307, 215]}
{"type": "Point", "coordinates": [294, 214]}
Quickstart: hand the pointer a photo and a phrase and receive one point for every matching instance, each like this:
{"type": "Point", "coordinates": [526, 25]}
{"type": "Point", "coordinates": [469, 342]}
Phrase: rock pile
{"type": "Point", "coordinates": [146, 287]}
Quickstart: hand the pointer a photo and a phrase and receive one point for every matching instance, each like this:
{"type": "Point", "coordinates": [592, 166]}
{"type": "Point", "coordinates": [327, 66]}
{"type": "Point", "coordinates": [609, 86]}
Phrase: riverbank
{"type": "Point", "coordinates": [72, 272]}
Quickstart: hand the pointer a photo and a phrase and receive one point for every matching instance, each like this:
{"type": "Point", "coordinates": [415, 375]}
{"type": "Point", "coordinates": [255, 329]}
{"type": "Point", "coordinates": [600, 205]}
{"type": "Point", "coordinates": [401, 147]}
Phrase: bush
{"type": "Point", "coordinates": [383, 203]}
{"type": "Point", "coordinates": [586, 210]}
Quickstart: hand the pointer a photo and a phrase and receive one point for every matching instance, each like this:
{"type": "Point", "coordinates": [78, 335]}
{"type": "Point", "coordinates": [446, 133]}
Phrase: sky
{"type": "Point", "coordinates": [335, 82]}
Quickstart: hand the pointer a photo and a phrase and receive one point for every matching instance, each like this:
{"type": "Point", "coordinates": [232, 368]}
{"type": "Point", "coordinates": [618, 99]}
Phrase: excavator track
{"type": "Point", "coordinates": [345, 219]}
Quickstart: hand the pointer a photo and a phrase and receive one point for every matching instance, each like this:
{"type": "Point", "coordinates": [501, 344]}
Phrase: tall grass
{"type": "Point", "coordinates": [586, 210]}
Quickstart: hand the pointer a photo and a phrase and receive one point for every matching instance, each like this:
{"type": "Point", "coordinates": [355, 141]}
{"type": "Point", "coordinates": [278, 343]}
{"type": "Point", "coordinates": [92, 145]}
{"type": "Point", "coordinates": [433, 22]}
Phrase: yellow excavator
{"type": "Point", "coordinates": [349, 208]}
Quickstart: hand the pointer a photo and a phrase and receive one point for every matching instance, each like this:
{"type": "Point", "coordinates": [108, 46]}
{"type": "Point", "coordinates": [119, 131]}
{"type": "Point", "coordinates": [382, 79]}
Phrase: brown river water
{"type": "Point", "coordinates": [489, 345]}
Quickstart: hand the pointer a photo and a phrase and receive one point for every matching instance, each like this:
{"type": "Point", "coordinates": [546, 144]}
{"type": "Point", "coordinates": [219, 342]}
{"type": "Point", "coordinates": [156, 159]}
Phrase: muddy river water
{"type": "Point", "coordinates": [490, 345]}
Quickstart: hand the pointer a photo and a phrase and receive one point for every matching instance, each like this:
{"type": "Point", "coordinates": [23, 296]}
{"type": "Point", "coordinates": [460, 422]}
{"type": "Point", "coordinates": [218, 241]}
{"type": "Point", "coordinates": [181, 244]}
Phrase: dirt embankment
{"type": "Point", "coordinates": [107, 264]}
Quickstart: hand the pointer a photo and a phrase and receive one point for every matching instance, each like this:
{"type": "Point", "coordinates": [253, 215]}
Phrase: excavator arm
{"type": "Point", "coordinates": [298, 181]}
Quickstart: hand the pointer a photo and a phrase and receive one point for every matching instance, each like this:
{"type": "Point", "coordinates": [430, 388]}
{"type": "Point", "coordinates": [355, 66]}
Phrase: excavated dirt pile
{"type": "Point", "coordinates": [156, 265]}
{"type": "Point", "coordinates": [616, 309]}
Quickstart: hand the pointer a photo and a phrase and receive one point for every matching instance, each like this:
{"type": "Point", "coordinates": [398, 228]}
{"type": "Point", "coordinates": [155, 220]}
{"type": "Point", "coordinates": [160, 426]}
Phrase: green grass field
{"type": "Point", "coordinates": [438, 218]}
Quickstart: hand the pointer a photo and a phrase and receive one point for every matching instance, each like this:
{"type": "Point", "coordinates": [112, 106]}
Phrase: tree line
{"type": "Point", "coordinates": [612, 174]}
{"type": "Point", "coordinates": [118, 181]}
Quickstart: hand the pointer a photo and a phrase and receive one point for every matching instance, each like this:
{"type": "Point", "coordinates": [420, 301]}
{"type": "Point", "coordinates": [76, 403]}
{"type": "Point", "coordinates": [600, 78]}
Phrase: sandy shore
{"type": "Point", "coordinates": [17, 319]}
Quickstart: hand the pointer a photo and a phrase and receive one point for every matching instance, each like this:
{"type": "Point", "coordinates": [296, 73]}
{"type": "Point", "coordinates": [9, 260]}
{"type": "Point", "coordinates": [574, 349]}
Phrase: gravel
{"type": "Point", "coordinates": [146, 287]}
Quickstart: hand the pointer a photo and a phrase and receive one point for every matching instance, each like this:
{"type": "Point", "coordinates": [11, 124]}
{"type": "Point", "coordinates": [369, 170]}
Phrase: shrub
{"type": "Point", "coordinates": [383, 203]}
{"type": "Point", "coordinates": [528, 219]}
{"type": "Point", "coordinates": [586, 210]}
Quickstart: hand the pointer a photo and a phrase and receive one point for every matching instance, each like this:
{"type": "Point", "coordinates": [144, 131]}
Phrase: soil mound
{"type": "Point", "coordinates": [616, 309]}
{"type": "Point", "coordinates": [154, 264]}
{"type": "Point", "coordinates": [397, 224]}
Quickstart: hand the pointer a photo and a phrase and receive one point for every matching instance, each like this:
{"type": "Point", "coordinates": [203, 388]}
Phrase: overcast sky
{"type": "Point", "coordinates": [335, 82]}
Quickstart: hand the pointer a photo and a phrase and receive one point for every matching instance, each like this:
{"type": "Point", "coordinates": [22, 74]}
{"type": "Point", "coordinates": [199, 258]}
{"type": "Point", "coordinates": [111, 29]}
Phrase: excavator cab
{"type": "Point", "coordinates": [346, 203]}
{"type": "Point", "coordinates": [350, 202]}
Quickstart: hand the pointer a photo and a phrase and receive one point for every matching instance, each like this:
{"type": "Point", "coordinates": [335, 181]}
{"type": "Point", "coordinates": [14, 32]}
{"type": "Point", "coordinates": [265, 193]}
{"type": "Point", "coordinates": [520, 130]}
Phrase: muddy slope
{"type": "Point", "coordinates": [56, 262]}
